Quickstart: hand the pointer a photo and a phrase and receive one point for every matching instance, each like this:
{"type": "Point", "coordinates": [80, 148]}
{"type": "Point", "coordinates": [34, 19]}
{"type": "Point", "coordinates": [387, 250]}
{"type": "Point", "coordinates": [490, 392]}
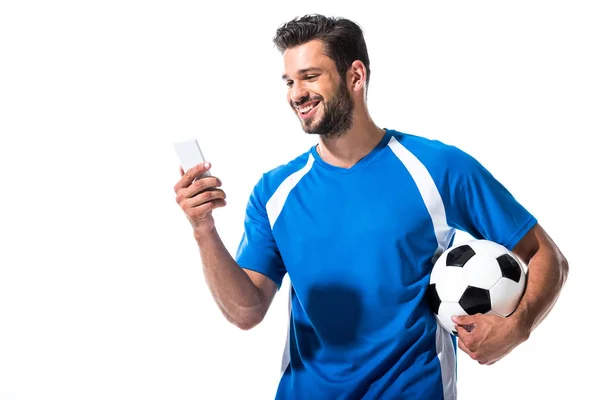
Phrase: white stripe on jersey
{"type": "Point", "coordinates": [443, 233]}
{"type": "Point", "coordinates": [277, 200]}
{"type": "Point", "coordinates": [274, 206]}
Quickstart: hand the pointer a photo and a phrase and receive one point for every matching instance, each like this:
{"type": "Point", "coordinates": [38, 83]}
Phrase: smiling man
{"type": "Point", "coordinates": [356, 222]}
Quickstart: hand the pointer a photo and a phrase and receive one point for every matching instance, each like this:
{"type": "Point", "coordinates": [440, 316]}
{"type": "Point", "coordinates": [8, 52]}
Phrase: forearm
{"type": "Point", "coordinates": [547, 273]}
{"type": "Point", "coordinates": [236, 295]}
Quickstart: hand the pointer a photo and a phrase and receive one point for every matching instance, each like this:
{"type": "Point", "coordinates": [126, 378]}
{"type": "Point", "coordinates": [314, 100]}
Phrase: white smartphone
{"type": "Point", "coordinates": [190, 155]}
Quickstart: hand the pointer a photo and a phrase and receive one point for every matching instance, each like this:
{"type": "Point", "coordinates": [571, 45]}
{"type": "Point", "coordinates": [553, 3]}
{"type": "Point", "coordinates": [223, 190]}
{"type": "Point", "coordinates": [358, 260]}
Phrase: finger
{"type": "Point", "coordinates": [463, 319]}
{"type": "Point", "coordinates": [205, 183]}
{"type": "Point", "coordinates": [206, 196]}
{"type": "Point", "coordinates": [463, 331]}
{"type": "Point", "coordinates": [465, 337]}
{"type": "Point", "coordinates": [197, 187]}
{"type": "Point", "coordinates": [181, 170]}
{"type": "Point", "coordinates": [191, 174]}
{"type": "Point", "coordinates": [201, 210]}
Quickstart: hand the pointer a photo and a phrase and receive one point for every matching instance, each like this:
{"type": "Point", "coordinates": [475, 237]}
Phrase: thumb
{"type": "Point", "coordinates": [463, 319]}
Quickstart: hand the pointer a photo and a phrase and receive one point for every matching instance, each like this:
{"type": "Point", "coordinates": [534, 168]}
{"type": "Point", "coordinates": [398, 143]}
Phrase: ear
{"type": "Point", "coordinates": [357, 76]}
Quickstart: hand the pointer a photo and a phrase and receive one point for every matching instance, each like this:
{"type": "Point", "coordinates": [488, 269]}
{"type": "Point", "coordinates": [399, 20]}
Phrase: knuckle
{"type": "Point", "coordinates": [202, 183]}
{"type": "Point", "coordinates": [205, 196]}
{"type": "Point", "coordinates": [217, 194]}
{"type": "Point", "coordinates": [185, 206]}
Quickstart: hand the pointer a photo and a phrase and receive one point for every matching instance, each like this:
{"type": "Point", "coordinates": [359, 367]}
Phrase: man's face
{"type": "Point", "coordinates": [316, 92]}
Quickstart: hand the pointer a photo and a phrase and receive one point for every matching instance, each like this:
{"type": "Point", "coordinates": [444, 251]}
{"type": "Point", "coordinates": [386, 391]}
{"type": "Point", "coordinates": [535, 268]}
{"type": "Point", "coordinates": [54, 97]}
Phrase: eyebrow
{"type": "Point", "coordinates": [303, 71]}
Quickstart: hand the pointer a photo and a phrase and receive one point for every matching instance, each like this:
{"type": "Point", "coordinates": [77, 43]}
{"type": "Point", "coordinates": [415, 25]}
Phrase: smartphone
{"type": "Point", "coordinates": [190, 155]}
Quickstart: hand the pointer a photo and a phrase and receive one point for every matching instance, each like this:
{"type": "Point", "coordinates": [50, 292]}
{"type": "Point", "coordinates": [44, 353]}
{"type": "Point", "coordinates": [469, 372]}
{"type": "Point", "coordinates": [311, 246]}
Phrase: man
{"type": "Point", "coordinates": [356, 223]}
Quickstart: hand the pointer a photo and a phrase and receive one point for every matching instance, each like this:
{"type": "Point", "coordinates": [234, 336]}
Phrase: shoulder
{"type": "Point", "coordinates": [272, 179]}
{"type": "Point", "coordinates": [435, 154]}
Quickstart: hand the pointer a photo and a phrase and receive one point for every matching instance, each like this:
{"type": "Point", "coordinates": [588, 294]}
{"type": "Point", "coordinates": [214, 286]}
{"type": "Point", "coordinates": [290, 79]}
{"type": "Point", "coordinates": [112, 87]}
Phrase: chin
{"type": "Point", "coordinates": [310, 128]}
{"type": "Point", "coordinates": [312, 125]}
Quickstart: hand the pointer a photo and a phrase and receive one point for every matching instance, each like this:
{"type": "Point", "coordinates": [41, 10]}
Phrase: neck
{"type": "Point", "coordinates": [352, 146]}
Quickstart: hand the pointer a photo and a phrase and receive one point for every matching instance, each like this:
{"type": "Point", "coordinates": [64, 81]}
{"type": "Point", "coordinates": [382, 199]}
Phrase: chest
{"type": "Point", "coordinates": [331, 222]}
{"type": "Point", "coordinates": [357, 206]}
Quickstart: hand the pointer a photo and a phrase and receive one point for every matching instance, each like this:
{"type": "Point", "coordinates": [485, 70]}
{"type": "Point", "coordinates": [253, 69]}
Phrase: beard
{"type": "Point", "coordinates": [337, 116]}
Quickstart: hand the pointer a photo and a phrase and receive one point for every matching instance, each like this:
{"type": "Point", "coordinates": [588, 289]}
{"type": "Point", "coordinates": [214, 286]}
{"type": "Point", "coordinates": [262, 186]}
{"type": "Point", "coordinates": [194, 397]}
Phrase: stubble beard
{"type": "Point", "coordinates": [337, 116]}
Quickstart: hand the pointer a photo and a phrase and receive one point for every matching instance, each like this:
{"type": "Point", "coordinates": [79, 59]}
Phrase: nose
{"type": "Point", "coordinates": [298, 94]}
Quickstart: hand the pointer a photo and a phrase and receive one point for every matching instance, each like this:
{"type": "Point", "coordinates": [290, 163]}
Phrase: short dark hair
{"type": "Point", "coordinates": [343, 39]}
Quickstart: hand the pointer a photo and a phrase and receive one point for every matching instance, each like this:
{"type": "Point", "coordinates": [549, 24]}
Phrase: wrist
{"type": "Point", "coordinates": [202, 235]}
{"type": "Point", "coordinates": [523, 320]}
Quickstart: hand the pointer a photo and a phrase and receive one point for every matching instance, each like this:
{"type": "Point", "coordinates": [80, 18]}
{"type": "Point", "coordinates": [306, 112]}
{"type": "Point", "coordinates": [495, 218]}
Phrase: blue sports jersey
{"type": "Point", "coordinates": [358, 245]}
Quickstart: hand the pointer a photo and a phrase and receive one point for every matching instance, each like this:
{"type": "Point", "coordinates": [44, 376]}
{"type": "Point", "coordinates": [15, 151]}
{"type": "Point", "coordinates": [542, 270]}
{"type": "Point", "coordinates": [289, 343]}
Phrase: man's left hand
{"type": "Point", "coordinates": [488, 338]}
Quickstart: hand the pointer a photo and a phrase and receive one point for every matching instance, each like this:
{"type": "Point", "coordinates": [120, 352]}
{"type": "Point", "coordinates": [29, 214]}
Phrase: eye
{"type": "Point", "coordinates": [289, 83]}
{"type": "Point", "coordinates": [311, 77]}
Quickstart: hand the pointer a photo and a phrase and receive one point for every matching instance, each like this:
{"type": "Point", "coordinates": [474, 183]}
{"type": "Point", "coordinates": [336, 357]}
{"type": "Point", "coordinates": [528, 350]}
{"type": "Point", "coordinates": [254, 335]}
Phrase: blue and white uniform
{"type": "Point", "coordinates": [358, 245]}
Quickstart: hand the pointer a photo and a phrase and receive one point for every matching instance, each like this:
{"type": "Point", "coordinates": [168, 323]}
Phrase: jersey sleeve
{"type": "Point", "coordinates": [257, 249]}
{"type": "Point", "coordinates": [481, 206]}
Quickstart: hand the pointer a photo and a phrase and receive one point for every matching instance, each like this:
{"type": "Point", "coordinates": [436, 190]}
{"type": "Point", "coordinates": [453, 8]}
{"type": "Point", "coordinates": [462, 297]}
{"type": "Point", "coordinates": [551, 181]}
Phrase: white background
{"type": "Point", "coordinates": [101, 292]}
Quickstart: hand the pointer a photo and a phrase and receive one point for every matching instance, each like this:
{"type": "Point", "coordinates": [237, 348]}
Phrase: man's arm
{"type": "Point", "coordinates": [491, 337]}
{"type": "Point", "coordinates": [548, 271]}
{"type": "Point", "coordinates": [243, 296]}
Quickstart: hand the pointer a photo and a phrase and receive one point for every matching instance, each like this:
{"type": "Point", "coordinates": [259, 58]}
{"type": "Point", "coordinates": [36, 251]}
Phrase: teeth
{"type": "Point", "coordinates": [306, 109]}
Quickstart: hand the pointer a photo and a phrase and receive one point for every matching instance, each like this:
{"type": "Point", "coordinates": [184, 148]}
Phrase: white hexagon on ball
{"type": "Point", "coordinates": [452, 284]}
{"type": "Point", "coordinates": [478, 272]}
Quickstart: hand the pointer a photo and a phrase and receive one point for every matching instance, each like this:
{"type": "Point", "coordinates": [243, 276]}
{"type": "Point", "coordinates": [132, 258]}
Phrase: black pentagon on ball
{"type": "Point", "coordinates": [459, 256]}
{"type": "Point", "coordinates": [509, 267]}
{"type": "Point", "coordinates": [475, 300]}
{"type": "Point", "coordinates": [433, 299]}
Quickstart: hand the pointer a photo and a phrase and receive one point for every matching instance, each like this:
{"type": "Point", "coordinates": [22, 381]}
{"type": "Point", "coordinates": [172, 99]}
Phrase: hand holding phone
{"type": "Point", "coordinates": [198, 197]}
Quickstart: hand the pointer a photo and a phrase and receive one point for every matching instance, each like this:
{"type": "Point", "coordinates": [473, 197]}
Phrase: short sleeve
{"type": "Point", "coordinates": [481, 206]}
{"type": "Point", "coordinates": [257, 249]}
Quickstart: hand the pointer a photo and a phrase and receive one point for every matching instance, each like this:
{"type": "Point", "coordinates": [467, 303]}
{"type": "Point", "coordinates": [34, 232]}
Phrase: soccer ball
{"type": "Point", "coordinates": [477, 276]}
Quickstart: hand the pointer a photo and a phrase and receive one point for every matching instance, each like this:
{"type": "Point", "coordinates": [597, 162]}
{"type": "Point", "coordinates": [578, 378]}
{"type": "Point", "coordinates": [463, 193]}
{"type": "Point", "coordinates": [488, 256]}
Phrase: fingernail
{"type": "Point", "coordinates": [453, 318]}
{"type": "Point", "coordinates": [207, 165]}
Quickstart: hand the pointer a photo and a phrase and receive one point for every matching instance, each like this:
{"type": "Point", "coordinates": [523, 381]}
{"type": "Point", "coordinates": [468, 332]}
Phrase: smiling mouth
{"type": "Point", "coordinates": [307, 110]}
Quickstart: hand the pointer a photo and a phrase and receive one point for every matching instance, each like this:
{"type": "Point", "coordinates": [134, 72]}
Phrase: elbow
{"type": "Point", "coordinates": [246, 324]}
{"type": "Point", "coordinates": [246, 321]}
